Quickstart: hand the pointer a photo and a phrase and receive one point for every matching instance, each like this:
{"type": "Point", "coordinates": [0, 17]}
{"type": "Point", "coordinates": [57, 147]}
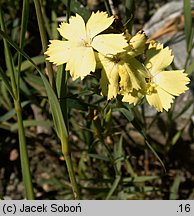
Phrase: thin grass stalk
{"type": "Point", "coordinates": [65, 145]}
{"type": "Point", "coordinates": [61, 84]}
{"type": "Point", "coordinates": [118, 153]}
{"type": "Point", "coordinates": [117, 172]}
{"type": "Point", "coordinates": [114, 186]}
{"type": "Point", "coordinates": [6, 82]}
{"type": "Point", "coordinates": [44, 42]}
{"type": "Point", "coordinates": [62, 78]}
{"type": "Point", "coordinates": [188, 24]}
{"type": "Point", "coordinates": [26, 175]}
{"type": "Point", "coordinates": [25, 14]}
{"type": "Point", "coordinates": [65, 78]}
{"type": "Point", "coordinates": [108, 7]}
{"type": "Point", "coordinates": [55, 109]}
{"type": "Point", "coordinates": [46, 20]}
{"type": "Point", "coordinates": [22, 139]}
{"type": "Point", "coordinates": [8, 59]}
{"type": "Point", "coordinates": [54, 25]}
{"type": "Point", "coordinates": [67, 150]}
{"type": "Point", "coordinates": [130, 13]}
{"type": "Point", "coordinates": [187, 61]}
{"type": "Point", "coordinates": [75, 188]}
{"type": "Point", "coordinates": [68, 10]}
{"type": "Point", "coordinates": [137, 124]}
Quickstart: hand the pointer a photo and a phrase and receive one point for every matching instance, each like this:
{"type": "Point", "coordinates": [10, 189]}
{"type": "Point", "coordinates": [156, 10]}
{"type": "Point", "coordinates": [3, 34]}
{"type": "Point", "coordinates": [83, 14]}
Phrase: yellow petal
{"type": "Point", "coordinates": [74, 30]}
{"type": "Point", "coordinates": [132, 75]}
{"type": "Point", "coordinates": [128, 80]}
{"type": "Point", "coordinates": [154, 44]}
{"type": "Point", "coordinates": [137, 43]}
{"type": "Point", "coordinates": [133, 97]}
{"type": "Point", "coordinates": [82, 62]}
{"type": "Point", "coordinates": [158, 59]}
{"type": "Point", "coordinates": [109, 43]}
{"type": "Point", "coordinates": [109, 76]}
{"type": "Point", "coordinates": [102, 61]}
{"type": "Point", "coordinates": [160, 99]}
{"type": "Point", "coordinates": [174, 82]}
{"type": "Point", "coordinates": [113, 86]}
{"type": "Point", "coordinates": [104, 83]}
{"type": "Point", "coordinates": [97, 23]}
{"type": "Point", "coordinates": [98, 60]}
{"type": "Point", "coordinates": [58, 51]}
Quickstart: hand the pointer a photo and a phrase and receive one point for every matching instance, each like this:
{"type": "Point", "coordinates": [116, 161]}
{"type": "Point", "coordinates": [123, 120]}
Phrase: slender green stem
{"type": "Point", "coordinates": [54, 25]}
{"type": "Point", "coordinates": [6, 81]}
{"type": "Point", "coordinates": [66, 148]}
{"type": "Point", "coordinates": [114, 186]}
{"type": "Point", "coordinates": [24, 22]}
{"type": "Point", "coordinates": [22, 139]}
{"type": "Point", "coordinates": [44, 41]}
{"type": "Point", "coordinates": [46, 20]}
{"type": "Point", "coordinates": [41, 25]}
{"type": "Point", "coordinates": [188, 57]}
{"type": "Point", "coordinates": [65, 145]}
{"type": "Point", "coordinates": [67, 155]}
{"type": "Point", "coordinates": [108, 7]}
{"type": "Point", "coordinates": [130, 11]}
{"type": "Point", "coordinates": [61, 83]}
{"type": "Point", "coordinates": [24, 154]}
{"type": "Point", "coordinates": [68, 9]}
{"type": "Point", "coordinates": [65, 79]}
{"type": "Point", "coordinates": [75, 187]}
{"type": "Point", "coordinates": [8, 59]}
{"type": "Point", "coordinates": [117, 172]}
{"type": "Point", "coordinates": [61, 128]}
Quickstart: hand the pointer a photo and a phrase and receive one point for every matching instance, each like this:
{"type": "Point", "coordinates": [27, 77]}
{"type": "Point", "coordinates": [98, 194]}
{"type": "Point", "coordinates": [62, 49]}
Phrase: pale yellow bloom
{"type": "Point", "coordinates": [122, 73]}
{"type": "Point", "coordinates": [161, 86]}
{"type": "Point", "coordinates": [137, 44]}
{"type": "Point", "coordinates": [81, 41]}
{"type": "Point", "coordinates": [119, 74]}
{"type": "Point", "coordinates": [133, 97]}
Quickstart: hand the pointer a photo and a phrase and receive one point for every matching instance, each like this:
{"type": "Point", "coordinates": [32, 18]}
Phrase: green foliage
{"type": "Point", "coordinates": [188, 25]}
{"type": "Point", "coordinates": [118, 151]}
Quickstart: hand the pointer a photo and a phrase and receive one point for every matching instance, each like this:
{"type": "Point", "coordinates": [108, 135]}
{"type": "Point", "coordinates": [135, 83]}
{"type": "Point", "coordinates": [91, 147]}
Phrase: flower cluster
{"type": "Point", "coordinates": [118, 56]}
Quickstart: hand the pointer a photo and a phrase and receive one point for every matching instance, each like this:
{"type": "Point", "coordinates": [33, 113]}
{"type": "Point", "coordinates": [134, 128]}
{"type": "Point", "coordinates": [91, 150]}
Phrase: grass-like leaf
{"type": "Point", "coordinates": [12, 112]}
{"type": "Point", "coordinates": [140, 129]}
{"type": "Point", "coordinates": [127, 113]}
{"type": "Point", "coordinates": [6, 81]}
{"type": "Point", "coordinates": [30, 123]}
{"type": "Point", "coordinates": [118, 152]}
{"type": "Point", "coordinates": [139, 179]}
{"type": "Point", "coordinates": [130, 12]}
{"type": "Point", "coordinates": [25, 15]}
{"type": "Point", "coordinates": [188, 24]}
{"type": "Point", "coordinates": [174, 189]}
{"type": "Point", "coordinates": [190, 68]}
{"type": "Point", "coordinates": [37, 60]}
{"type": "Point", "coordinates": [54, 103]}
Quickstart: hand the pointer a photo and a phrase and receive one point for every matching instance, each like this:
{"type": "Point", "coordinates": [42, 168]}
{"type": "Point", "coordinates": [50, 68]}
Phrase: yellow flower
{"type": "Point", "coordinates": [163, 85]}
{"type": "Point", "coordinates": [133, 97]}
{"type": "Point", "coordinates": [122, 73]}
{"type": "Point", "coordinates": [137, 43]}
{"type": "Point", "coordinates": [80, 42]}
{"type": "Point", "coordinates": [119, 74]}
